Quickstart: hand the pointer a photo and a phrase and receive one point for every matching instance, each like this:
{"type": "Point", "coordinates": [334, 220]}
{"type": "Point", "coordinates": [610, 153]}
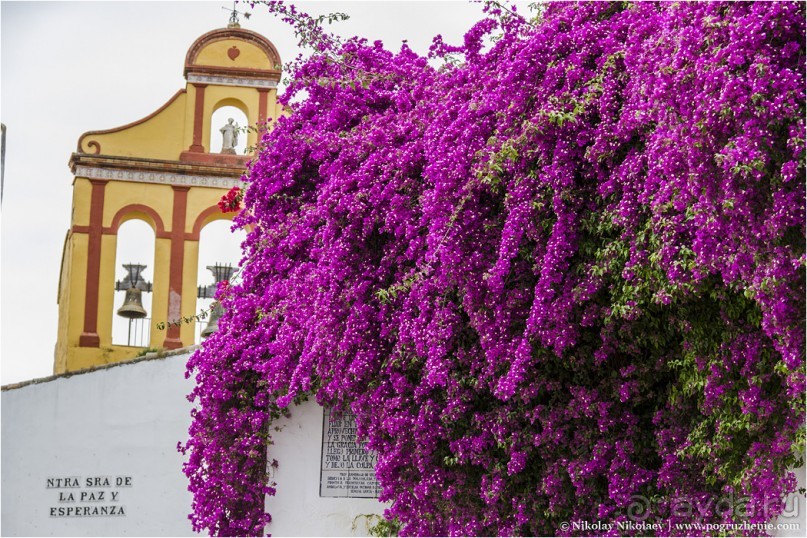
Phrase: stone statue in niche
{"type": "Point", "coordinates": [230, 137]}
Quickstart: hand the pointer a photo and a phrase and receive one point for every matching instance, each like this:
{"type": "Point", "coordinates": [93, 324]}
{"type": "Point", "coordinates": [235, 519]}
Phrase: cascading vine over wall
{"type": "Point", "coordinates": [556, 276]}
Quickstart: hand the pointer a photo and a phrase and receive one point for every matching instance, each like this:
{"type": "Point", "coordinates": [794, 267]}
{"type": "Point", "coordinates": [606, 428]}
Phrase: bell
{"type": "Point", "coordinates": [213, 325]}
{"type": "Point", "coordinates": [133, 305]}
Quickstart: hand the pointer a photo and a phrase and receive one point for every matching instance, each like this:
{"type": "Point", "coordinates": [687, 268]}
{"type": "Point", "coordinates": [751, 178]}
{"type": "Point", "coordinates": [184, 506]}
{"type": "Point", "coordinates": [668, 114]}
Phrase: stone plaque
{"type": "Point", "coordinates": [347, 469]}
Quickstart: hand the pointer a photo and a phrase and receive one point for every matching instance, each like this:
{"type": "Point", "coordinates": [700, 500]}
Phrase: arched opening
{"type": "Point", "coordinates": [227, 134]}
{"type": "Point", "coordinates": [134, 265]}
{"type": "Point", "coordinates": [218, 246]}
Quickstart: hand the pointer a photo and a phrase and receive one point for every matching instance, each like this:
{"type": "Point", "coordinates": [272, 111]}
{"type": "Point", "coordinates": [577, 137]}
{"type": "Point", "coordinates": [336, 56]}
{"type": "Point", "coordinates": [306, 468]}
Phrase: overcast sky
{"type": "Point", "coordinates": [72, 67]}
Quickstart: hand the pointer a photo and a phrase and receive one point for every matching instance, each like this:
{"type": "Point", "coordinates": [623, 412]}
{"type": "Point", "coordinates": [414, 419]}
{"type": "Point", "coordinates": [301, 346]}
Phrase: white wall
{"type": "Point", "coordinates": [125, 421]}
{"type": "Point", "coordinates": [297, 509]}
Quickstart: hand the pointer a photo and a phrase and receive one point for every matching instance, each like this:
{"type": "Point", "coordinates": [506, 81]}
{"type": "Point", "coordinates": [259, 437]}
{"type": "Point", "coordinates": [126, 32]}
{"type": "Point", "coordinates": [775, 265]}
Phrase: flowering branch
{"type": "Point", "coordinates": [571, 266]}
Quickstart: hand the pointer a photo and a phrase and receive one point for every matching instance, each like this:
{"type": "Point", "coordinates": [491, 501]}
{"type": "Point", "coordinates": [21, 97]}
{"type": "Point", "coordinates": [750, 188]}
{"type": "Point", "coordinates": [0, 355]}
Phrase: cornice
{"type": "Point", "coordinates": [268, 75]}
{"type": "Point", "coordinates": [139, 170]}
{"type": "Point", "coordinates": [156, 165]}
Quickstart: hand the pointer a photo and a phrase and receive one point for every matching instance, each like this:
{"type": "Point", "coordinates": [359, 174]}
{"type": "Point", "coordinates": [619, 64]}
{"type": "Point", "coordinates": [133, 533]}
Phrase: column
{"type": "Point", "coordinates": [173, 340]}
{"type": "Point", "coordinates": [198, 119]}
{"type": "Point", "coordinates": [89, 336]}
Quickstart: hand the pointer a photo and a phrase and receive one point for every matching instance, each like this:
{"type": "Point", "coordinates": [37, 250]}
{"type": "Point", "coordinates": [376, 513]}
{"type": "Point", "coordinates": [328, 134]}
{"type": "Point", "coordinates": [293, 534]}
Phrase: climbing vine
{"type": "Point", "coordinates": [557, 272]}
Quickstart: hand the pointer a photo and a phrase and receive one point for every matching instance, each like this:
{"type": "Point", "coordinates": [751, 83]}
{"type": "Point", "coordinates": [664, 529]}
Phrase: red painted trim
{"type": "Point", "coordinates": [204, 219]}
{"type": "Point", "coordinates": [89, 340]}
{"type": "Point", "coordinates": [172, 339]}
{"type": "Point", "coordinates": [117, 220]}
{"type": "Point", "coordinates": [124, 127]}
{"type": "Point", "coordinates": [198, 119]}
{"type": "Point", "coordinates": [242, 34]}
{"type": "Point", "coordinates": [138, 164]}
{"type": "Point", "coordinates": [89, 337]}
{"type": "Point", "coordinates": [263, 105]}
{"type": "Point", "coordinates": [159, 227]}
{"type": "Point", "coordinates": [215, 159]}
{"type": "Point", "coordinates": [235, 72]}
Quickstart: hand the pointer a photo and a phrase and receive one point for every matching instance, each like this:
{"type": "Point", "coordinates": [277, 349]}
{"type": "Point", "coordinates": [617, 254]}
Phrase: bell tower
{"type": "Point", "coordinates": [161, 170]}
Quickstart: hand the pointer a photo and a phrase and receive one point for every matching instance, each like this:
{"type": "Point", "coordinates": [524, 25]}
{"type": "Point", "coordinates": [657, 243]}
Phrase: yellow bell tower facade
{"type": "Point", "coordinates": [160, 170]}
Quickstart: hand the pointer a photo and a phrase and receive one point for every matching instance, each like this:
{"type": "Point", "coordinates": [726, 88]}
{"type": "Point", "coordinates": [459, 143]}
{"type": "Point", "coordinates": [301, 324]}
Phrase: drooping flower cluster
{"type": "Point", "coordinates": [561, 277]}
{"type": "Point", "coordinates": [231, 201]}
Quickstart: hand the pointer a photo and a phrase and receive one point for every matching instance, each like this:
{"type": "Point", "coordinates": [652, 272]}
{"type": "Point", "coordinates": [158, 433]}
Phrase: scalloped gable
{"type": "Point", "coordinates": [234, 62]}
{"type": "Point", "coordinates": [228, 51]}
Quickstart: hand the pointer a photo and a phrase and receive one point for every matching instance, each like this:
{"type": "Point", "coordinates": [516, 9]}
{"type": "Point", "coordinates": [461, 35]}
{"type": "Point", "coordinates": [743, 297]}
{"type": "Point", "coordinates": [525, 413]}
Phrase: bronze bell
{"type": "Point", "coordinates": [213, 325]}
{"type": "Point", "coordinates": [133, 305]}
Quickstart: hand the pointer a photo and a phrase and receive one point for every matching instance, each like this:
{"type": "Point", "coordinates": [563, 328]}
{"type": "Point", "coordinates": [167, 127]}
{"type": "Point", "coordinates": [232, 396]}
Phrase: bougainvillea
{"type": "Point", "coordinates": [231, 201]}
{"type": "Point", "coordinates": [559, 278]}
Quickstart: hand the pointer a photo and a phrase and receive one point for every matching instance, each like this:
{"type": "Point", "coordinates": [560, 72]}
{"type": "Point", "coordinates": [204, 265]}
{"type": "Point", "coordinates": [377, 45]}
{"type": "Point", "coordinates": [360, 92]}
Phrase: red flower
{"type": "Point", "coordinates": [232, 200]}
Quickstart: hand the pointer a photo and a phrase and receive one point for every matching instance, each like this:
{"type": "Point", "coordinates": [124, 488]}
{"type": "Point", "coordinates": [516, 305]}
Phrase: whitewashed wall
{"type": "Point", "coordinates": [122, 421]}
{"type": "Point", "coordinates": [122, 424]}
{"type": "Point", "coordinates": [297, 509]}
